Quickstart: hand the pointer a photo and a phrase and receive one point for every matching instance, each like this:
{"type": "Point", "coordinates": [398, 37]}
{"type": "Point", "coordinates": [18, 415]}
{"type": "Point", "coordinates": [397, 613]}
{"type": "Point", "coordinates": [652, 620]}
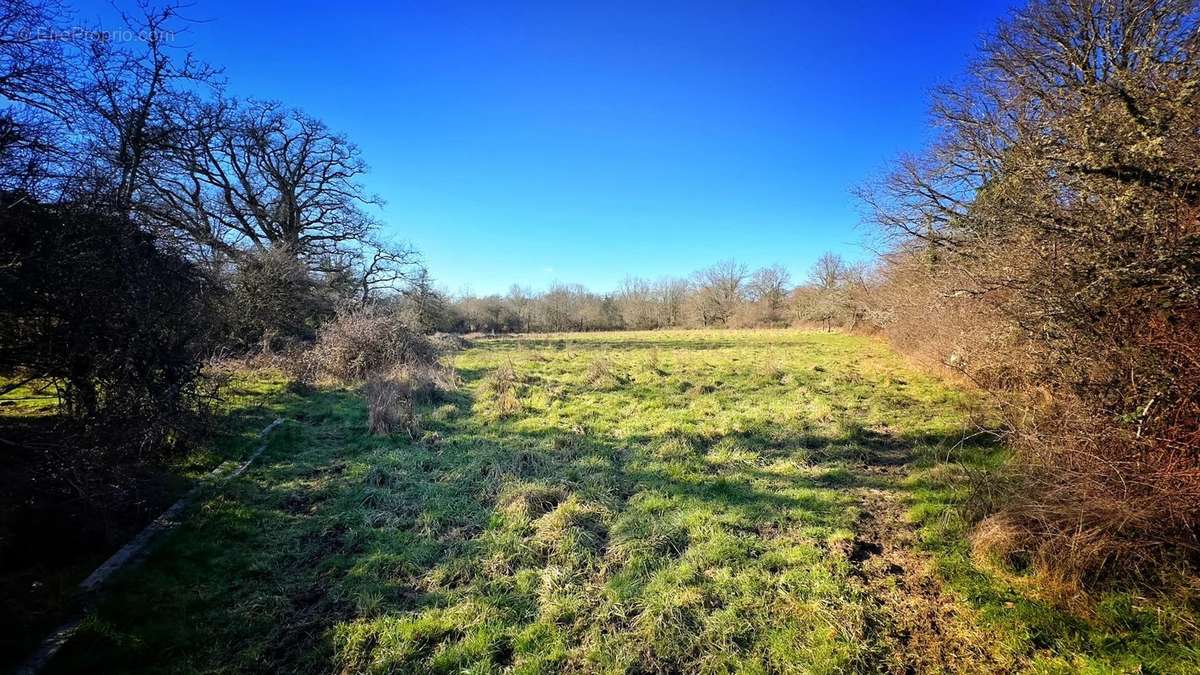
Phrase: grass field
{"type": "Point", "coordinates": [757, 501]}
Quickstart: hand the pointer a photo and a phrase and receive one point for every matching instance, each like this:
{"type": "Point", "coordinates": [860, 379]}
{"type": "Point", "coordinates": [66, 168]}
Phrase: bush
{"type": "Point", "coordinates": [270, 301]}
{"type": "Point", "coordinates": [1047, 248]}
{"type": "Point", "coordinates": [92, 305]}
{"type": "Point", "coordinates": [603, 374]}
{"type": "Point", "coordinates": [359, 343]}
{"type": "Point", "coordinates": [397, 365]}
{"type": "Point", "coordinates": [502, 386]}
{"type": "Point", "coordinates": [389, 406]}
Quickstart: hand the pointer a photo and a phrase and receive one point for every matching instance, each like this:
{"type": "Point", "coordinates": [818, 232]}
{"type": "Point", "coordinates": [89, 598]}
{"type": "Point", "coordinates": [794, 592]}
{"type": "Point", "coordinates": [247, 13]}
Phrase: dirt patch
{"type": "Point", "coordinates": [914, 625]}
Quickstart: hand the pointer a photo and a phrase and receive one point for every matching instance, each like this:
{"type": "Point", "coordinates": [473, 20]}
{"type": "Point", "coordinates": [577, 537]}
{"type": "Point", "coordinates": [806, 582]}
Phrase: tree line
{"type": "Point", "coordinates": [724, 295]}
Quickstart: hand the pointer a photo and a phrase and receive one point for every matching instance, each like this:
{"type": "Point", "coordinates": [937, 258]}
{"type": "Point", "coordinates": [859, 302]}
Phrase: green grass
{"type": "Point", "coordinates": [36, 590]}
{"type": "Point", "coordinates": [30, 399]}
{"type": "Point", "coordinates": [633, 502]}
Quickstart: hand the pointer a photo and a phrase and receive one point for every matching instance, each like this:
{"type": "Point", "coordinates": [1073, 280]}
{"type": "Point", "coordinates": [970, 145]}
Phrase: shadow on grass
{"type": "Point", "coordinates": [337, 542]}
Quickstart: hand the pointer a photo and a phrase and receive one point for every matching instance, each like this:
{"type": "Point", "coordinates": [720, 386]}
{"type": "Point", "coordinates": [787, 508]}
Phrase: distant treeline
{"type": "Point", "coordinates": [725, 295]}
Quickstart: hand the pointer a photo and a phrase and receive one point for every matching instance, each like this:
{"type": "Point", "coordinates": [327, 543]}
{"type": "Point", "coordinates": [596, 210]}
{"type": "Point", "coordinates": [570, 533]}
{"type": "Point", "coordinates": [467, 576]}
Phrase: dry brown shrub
{"type": "Point", "coordinates": [392, 395]}
{"type": "Point", "coordinates": [1095, 498]}
{"type": "Point", "coordinates": [920, 309]}
{"type": "Point", "coordinates": [1055, 263]}
{"type": "Point", "coordinates": [450, 342]}
{"type": "Point", "coordinates": [1105, 477]}
{"type": "Point", "coordinates": [360, 342]}
{"type": "Point", "coordinates": [996, 539]}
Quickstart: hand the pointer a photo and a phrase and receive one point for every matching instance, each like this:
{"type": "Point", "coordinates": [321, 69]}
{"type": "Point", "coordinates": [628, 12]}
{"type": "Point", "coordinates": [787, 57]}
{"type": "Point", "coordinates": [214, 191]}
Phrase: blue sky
{"type": "Point", "coordinates": [529, 142]}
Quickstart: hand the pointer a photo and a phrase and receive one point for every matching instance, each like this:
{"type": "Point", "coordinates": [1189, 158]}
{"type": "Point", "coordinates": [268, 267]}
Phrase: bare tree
{"type": "Point", "coordinates": [826, 273]}
{"type": "Point", "coordinates": [1055, 217]}
{"type": "Point", "coordinates": [521, 299]}
{"type": "Point", "coordinates": [35, 81]}
{"type": "Point", "coordinates": [134, 103]}
{"type": "Point", "coordinates": [382, 269]}
{"type": "Point", "coordinates": [719, 291]}
{"type": "Point", "coordinates": [635, 301]}
{"type": "Point", "coordinates": [34, 54]}
{"type": "Point", "coordinates": [558, 307]}
{"type": "Point", "coordinates": [260, 175]}
{"type": "Point", "coordinates": [826, 298]}
{"type": "Point", "coordinates": [768, 290]}
{"type": "Point", "coordinates": [671, 296]}
{"type": "Point", "coordinates": [248, 177]}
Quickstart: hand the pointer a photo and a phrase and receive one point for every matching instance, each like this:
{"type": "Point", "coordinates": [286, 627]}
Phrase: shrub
{"type": "Point", "coordinates": [602, 373]}
{"type": "Point", "coordinates": [269, 301]}
{"type": "Point", "coordinates": [391, 396]}
{"type": "Point", "coordinates": [360, 342]}
{"type": "Point", "coordinates": [92, 305]}
{"type": "Point", "coordinates": [1047, 247]}
{"type": "Point", "coordinates": [389, 406]}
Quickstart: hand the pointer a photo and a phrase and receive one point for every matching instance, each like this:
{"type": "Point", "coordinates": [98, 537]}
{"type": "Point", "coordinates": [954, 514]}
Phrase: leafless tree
{"type": "Point", "coordinates": [826, 273]}
{"type": "Point", "coordinates": [557, 307]}
{"type": "Point", "coordinates": [260, 175]}
{"type": "Point", "coordinates": [768, 290]}
{"type": "Point", "coordinates": [34, 54]}
{"type": "Point", "coordinates": [671, 296]}
{"type": "Point", "coordinates": [253, 176]}
{"type": "Point", "coordinates": [635, 301]}
{"type": "Point", "coordinates": [134, 102]}
{"type": "Point", "coordinates": [1055, 220]}
{"type": "Point", "coordinates": [35, 72]}
{"type": "Point", "coordinates": [521, 299]}
{"type": "Point", "coordinates": [719, 291]}
{"type": "Point", "coordinates": [383, 269]}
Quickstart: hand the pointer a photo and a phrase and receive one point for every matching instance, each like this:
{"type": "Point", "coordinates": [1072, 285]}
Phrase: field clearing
{"type": "Point", "coordinates": [690, 501]}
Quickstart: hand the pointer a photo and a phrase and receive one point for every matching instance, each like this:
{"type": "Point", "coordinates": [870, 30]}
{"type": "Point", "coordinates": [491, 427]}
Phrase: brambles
{"type": "Point", "coordinates": [361, 342]}
{"type": "Point", "coordinates": [398, 366]}
{"type": "Point", "coordinates": [94, 308]}
{"type": "Point", "coordinates": [1046, 247]}
{"type": "Point", "coordinates": [270, 302]}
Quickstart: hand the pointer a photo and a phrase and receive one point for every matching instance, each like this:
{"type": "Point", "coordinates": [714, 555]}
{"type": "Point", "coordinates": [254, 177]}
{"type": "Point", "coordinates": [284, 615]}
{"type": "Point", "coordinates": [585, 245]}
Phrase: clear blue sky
{"type": "Point", "coordinates": [582, 141]}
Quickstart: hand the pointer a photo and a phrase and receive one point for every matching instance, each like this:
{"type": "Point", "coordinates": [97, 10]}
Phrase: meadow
{"type": "Point", "coordinates": [675, 501]}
